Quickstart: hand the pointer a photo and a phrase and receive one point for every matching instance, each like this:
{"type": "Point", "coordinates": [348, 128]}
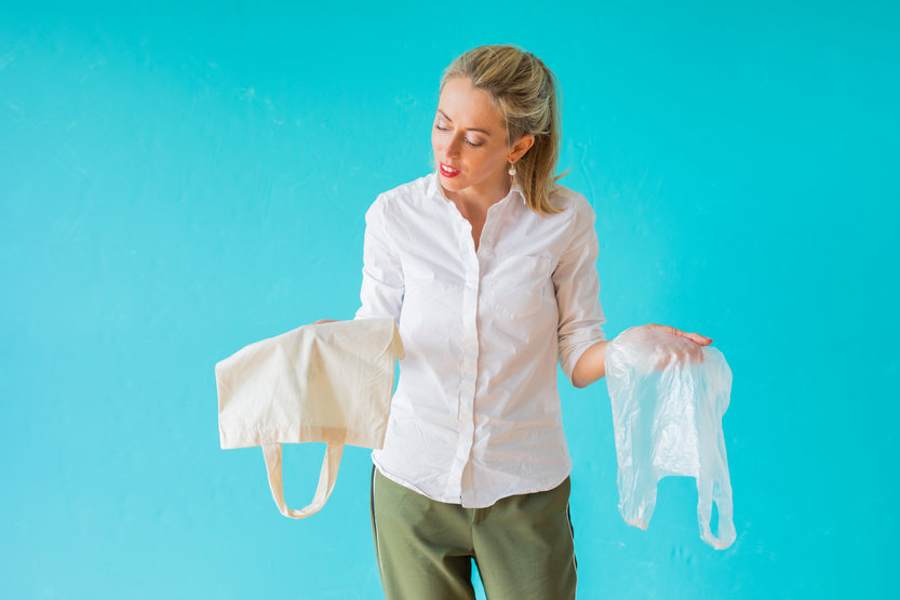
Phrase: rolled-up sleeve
{"type": "Point", "coordinates": [381, 292]}
{"type": "Point", "coordinates": [577, 285]}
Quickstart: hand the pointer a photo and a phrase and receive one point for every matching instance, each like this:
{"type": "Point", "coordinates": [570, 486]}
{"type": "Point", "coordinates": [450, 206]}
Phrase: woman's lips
{"type": "Point", "coordinates": [447, 171]}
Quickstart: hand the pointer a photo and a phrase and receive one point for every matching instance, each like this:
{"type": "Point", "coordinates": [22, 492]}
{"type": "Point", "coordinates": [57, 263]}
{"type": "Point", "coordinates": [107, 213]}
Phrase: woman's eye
{"type": "Point", "coordinates": [467, 141]}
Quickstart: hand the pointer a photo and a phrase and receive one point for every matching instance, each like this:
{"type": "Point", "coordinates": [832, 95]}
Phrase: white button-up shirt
{"type": "Point", "coordinates": [476, 413]}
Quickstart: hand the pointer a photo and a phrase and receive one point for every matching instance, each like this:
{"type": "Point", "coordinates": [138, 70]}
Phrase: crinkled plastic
{"type": "Point", "coordinates": [667, 407]}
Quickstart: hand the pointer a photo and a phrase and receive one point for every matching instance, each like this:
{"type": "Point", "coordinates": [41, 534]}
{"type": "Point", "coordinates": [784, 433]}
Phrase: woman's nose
{"type": "Point", "coordinates": [454, 146]}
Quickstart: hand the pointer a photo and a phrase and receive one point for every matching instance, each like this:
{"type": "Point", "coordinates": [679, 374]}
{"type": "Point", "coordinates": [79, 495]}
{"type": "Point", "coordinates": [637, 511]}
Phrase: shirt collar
{"type": "Point", "coordinates": [434, 189]}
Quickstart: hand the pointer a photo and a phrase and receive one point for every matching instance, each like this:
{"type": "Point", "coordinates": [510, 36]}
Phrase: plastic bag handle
{"type": "Point", "coordinates": [706, 495]}
{"type": "Point", "coordinates": [327, 478]}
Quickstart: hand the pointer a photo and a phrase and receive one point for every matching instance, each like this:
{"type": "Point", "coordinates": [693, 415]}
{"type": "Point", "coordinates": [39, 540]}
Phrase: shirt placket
{"type": "Point", "coordinates": [465, 414]}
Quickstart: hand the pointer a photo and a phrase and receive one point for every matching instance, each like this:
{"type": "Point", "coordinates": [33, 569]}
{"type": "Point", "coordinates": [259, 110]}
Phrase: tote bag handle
{"type": "Point", "coordinates": [327, 478]}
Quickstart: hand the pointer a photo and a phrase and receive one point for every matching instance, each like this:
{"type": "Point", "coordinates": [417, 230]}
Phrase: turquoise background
{"type": "Point", "coordinates": [178, 182]}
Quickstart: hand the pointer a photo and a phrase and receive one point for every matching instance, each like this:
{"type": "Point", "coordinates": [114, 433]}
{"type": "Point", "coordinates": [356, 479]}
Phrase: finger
{"type": "Point", "coordinates": [689, 355]}
{"type": "Point", "coordinates": [696, 337]}
{"type": "Point", "coordinates": [665, 329]}
{"type": "Point", "coordinates": [676, 331]}
{"type": "Point", "coordinates": [671, 330]}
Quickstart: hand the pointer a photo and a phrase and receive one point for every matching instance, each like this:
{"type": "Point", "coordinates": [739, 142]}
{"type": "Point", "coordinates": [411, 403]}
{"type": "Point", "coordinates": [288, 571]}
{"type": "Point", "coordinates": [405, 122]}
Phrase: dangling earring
{"type": "Point", "coordinates": [512, 169]}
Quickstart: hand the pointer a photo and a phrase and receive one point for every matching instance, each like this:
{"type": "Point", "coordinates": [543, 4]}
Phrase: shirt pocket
{"type": "Point", "coordinates": [519, 284]}
{"type": "Point", "coordinates": [432, 297]}
{"type": "Point", "coordinates": [425, 278]}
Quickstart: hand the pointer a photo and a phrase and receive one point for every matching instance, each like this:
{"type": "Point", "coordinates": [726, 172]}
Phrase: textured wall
{"type": "Point", "coordinates": [176, 183]}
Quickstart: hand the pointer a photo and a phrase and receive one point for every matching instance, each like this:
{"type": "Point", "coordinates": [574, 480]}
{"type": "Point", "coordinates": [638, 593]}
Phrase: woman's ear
{"type": "Point", "coordinates": [521, 147]}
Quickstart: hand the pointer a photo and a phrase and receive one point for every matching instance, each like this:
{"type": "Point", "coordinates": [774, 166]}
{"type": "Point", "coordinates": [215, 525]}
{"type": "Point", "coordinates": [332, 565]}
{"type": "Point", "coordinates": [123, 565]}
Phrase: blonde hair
{"type": "Point", "coordinates": [524, 90]}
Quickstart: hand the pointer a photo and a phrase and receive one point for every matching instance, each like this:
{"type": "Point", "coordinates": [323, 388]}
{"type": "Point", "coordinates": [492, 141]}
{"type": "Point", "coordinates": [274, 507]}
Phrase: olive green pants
{"type": "Point", "coordinates": [523, 545]}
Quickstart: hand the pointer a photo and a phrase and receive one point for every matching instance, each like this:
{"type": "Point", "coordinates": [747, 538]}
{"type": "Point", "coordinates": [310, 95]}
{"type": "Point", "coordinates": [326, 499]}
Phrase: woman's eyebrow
{"type": "Point", "coordinates": [484, 131]}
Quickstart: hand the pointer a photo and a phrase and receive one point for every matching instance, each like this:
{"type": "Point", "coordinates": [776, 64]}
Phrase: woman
{"type": "Point", "coordinates": [488, 267]}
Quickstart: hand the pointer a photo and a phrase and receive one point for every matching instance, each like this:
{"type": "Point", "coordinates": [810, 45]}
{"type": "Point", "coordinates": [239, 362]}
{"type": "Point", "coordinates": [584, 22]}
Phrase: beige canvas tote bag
{"type": "Point", "coordinates": [327, 382]}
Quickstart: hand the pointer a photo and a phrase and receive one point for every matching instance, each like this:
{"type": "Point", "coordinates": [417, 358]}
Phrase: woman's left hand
{"type": "Point", "coordinates": [694, 350]}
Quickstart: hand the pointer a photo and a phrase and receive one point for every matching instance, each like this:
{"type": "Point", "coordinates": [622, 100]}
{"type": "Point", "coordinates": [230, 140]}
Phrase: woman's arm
{"type": "Point", "coordinates": [591, 366]}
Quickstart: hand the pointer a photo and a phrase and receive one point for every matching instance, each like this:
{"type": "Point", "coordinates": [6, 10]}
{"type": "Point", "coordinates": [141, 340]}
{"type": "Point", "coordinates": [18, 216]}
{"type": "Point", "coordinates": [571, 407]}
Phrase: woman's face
{"type": "Point", "coordinates": [469, 135]}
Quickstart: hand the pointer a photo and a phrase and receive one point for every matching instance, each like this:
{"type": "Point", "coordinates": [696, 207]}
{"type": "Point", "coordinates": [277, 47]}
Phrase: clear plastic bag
{"type": "Point", "coordinates": [668, 398]}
